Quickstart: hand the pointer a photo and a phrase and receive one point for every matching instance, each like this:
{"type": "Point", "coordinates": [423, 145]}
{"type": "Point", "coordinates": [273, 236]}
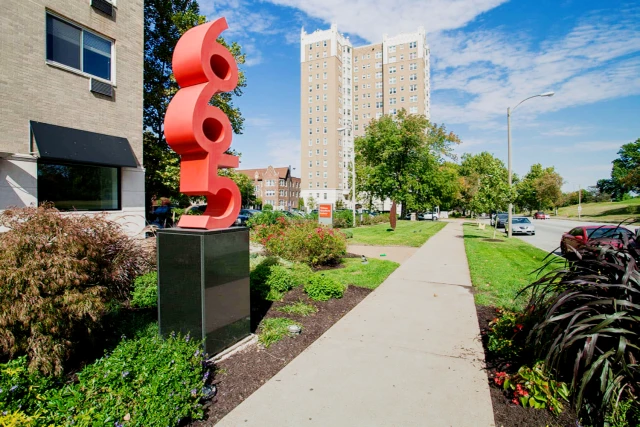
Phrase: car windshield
{"type": "Point", "coordinates": [614, 233]}
{"type": "Point", "coordinates": [520, 221]}
{"type": "Point", "coordinates": [503, 216]}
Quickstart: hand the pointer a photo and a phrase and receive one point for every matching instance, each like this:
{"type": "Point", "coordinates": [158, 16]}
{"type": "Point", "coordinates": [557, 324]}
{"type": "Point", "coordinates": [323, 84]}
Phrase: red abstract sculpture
{"type": "Point", "coordinates": [201, 133]}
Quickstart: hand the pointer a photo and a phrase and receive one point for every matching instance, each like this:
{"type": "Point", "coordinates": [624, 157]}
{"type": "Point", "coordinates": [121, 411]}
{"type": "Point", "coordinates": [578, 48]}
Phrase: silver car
{"type": "Point", "coordinates": [522, 225]}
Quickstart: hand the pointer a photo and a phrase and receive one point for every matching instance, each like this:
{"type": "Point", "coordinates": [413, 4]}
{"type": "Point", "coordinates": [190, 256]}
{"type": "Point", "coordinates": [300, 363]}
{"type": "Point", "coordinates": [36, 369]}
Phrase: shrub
{"type": "Point", "coordinates": [505, 335]}
{"type": "Point", "coordinates": [274, 329]}
{"type": "Point", "coordinates": [323, 288]}
{"type": "Point", "coordinates": [305, 241]}
{"type": "Point", "coordinates": [532, 387]}
{"type": "Point", "coordinates": [372, 219]}
{"type": "Point", "coordinates": [58, 274]}
{"type": "Point", "coordinates": [267, 217]}
{"type": "Point", "coordinates": [267, 208]}
{"type": "Point", "coordinates": [145, 291]}
{"type": "Point", "coordinates": [300, 308]}
{"type": "Point", "coordinates": [150, 380]}
{"type": "Point", "coordinates": [348, 234]}
{"type": "Point", "coordinates": [279, 281]}
{"type": "Point", "coordinates": [21, 390]}
{"type": "Point", "coordinates": [300, 273]}
{"type": "Point", "coordinates": [259, 275]}
{"type": "Point", "coordinates": [585, 322]}
{"type": "Point", "coordinates": [343, 219]}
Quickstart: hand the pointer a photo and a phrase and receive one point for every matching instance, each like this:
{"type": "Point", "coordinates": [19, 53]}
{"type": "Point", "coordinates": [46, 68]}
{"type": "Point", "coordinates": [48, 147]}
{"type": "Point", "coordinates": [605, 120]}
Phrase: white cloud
{"type": "Point", "coordinates": [589, 146]}
{"type": "Point", "coordinates": [370, 19]}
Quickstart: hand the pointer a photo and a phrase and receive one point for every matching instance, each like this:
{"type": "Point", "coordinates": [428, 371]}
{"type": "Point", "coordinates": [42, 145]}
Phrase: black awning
{"type": "Point", "coordinates": [73, 145]}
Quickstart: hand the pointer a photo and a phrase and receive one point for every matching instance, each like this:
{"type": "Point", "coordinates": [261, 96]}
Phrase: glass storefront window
{"type": "Point", "coordinates": [79, 187]}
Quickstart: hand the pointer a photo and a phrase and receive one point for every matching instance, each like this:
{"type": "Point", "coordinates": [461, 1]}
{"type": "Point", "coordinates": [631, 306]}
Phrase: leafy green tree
{"type": "Point", "coordinates": [540, 188]}
{"type": "Point", "coordinates": [300, 203]}
{"type": "Point", "coordinates": [485, 186]}
{"type": "Point", "coordinates": [311, 203]}
{"type": "Point", "coordinates": [625, 174]}
{"type": "Point", "coordinates": [399, 157]}
{"type": "Point", "coordinates": [164, 22]}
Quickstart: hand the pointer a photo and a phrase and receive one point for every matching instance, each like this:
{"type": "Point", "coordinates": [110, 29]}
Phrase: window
{"type": "Point", "coordinates": [324, 163]}
{"type": "Point", "coordinates": [392, 80]}
{"type": "Point", "coordinates": [413, 55]}
{"type": "Point", "coordinates": [78, 48]}
{"type": "Point", "coordinates": [310, 120]}
{"type": "Point", "coordinates": [413, 88]}
{"type": "Point", "coordinates": [310, 99]}
{"type": "Point", "coordinates": [310, 184]}
{"type": "Point", "coordinates": [378, 85]}
{"type": "Point", "coordinates": [392, 70]}
{"type": "Point", "coordinates": [324, 130]}
{"type": "Point", "coordinates": [310, 163]}
{"type": "Point", "coordinates": [324, 97]}
{"type": "Point", "coordinates": [324, 43]}
{"type": "Point", "coordinates": [413, 66]}
{"type": "Point", "coordinates": [318, 152]}
{"type": "Point", "coordinates": [324, 119]}
{"type": "Point", "coordinates": [310, 153]}
{"type": "Point", "coordinates": [379, 75]}
{"type": "Point", "coordinates": [413, 45]}
{"type": "Point", "coordinates": [324, 153]}
{"type": "Point", "coordinates": [378, 104]}
{"type": "Point", "coordinates": [392, 101]}
{"type": "Point", "coordinates": [282, 183]}
{"type": "Point", "coordinates": [378, 115]}
{"type": "Point", "coordinates": [392, 90]}
{"type": "Point", "coordinates": [392, 49]}
{"type": "Point", "coordinates": [413, 77]}
{"type": "Point", "coordinates": [378, 55]}
{"type": "Point", "coordinates": [324, 76]}
{"type": "Point", "coordinates": [324, 108]}
{"type": "Point", "coordinates": [413, 98]}
{"type": "Point", "coordinates": [392, 59]}
{"type": "Point", "coordinates": [393, 111]}
{"type": "Point", "coordinates": [379, 64]}
{"type": "Point", "coordinates": [324, 185]}
{"type": "Point", "coordinates": [413, 110]}
{"type": "Point", "coordinates": [79, 187]}
{"type": "Point", "coordinates": [310, 175]}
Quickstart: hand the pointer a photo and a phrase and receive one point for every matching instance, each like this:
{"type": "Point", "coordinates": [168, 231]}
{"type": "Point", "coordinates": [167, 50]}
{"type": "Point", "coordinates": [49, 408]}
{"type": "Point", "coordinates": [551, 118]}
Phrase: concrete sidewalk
{"type": "Point", "coordinates": [407, 355]}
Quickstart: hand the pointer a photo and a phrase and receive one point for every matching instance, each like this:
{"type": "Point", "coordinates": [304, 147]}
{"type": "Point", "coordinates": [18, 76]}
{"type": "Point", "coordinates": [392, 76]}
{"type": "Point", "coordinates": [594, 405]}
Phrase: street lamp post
{"type": "Point", "coordinates": [509, 111]}
{"type": "Point", "coordinates": [353, 168]}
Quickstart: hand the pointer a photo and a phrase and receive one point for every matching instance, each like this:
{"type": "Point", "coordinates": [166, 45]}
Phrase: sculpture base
{"type": "Point", "coordinates": [203, 285]}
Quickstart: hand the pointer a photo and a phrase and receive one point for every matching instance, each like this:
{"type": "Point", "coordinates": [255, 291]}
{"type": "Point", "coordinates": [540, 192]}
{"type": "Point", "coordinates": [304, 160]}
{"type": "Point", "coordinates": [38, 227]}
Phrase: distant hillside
{"type": "Point", "coordinates": [605, 212]}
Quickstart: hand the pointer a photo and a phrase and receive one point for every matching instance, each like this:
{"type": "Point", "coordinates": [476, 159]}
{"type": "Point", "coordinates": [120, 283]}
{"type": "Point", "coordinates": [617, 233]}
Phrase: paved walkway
{"type": "Point", "coordinates": [407, 355]}
{"type": "Point", "coordinates": [398, 254]}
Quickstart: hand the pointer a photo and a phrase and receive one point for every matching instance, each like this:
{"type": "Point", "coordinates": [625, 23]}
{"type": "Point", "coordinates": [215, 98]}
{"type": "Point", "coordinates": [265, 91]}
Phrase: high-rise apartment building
{"type": "Point", "coordinates": [342, 88]}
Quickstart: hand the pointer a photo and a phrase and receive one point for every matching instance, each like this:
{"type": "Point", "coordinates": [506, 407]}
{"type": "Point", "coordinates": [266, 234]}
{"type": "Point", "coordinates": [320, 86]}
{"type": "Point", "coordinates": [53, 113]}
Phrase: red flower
{"type": "Point", "coordinates": [515, 400]}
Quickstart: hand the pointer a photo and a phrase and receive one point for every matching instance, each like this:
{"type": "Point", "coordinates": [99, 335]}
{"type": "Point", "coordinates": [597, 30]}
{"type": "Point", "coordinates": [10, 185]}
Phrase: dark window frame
{"type": "Point", "coordinates": [67, 163]}
{"type": "Point", "coordinates": [81, 47]}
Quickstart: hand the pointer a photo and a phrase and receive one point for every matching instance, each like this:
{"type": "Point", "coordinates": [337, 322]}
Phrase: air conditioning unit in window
{"type": "Point", "coordinates": [103, 6]}
{"type": "Point", "coordinates": [101, 87]}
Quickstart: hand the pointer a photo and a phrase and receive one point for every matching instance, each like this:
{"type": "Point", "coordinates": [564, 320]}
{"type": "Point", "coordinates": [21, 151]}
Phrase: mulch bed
{"type": "Point", "coordinates": [505, 413]}
{"type": "Point", "coordinates": [240, 375]}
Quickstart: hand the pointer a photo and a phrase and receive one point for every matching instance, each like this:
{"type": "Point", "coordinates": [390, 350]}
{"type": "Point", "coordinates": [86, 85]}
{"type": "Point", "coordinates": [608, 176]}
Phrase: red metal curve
{"type": "Point", "coordinates": [201, 133]}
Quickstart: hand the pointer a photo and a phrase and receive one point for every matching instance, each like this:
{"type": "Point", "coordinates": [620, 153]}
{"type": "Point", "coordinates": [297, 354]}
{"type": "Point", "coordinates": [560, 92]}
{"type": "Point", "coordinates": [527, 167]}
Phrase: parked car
{"type": "Point", "coordinates": [249, 212]}
{"type": "Point", "coordinates": [539, 215]}
{"type": "Point", "coordinates": [429, 216]}
{"type": "Point", "coordinates": [595, 234]}
{"type": "Point", "coordinates": [499, 220]}
{"type": "Point", "coordinates": [521, 225]}
{"type": "Point", "coordinates": [241, 220]}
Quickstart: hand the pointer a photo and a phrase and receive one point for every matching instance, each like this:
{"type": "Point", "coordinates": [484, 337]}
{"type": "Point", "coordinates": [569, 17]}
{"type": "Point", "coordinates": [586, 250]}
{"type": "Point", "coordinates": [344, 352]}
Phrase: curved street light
{"type": "Point", "coordinates": [509, 110]}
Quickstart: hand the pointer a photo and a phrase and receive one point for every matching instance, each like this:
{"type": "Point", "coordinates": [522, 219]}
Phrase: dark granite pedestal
{"type": "Point", "coordinates": [203, 285]}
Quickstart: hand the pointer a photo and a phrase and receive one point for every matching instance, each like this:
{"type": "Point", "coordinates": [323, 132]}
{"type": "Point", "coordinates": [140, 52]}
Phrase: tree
{"type": "Point", "coordinates": [244, 183]}
{"type": "Point", "coordinates": [485, 183]}
{"type": "Point", "coordinates": [339, 204]}
{"type": "Point", "coordinates": [398, 157]}
{"type": "Point", "coordinates": [540, 188]}
{"type": "Point", "coordinates": [164, 22]}
{"type": "Point", "coordinates": [311, 203]}
{"type": "Point", "coordinates": [300, 203]}
{"type": "Point", "coordinates": [625, 173]}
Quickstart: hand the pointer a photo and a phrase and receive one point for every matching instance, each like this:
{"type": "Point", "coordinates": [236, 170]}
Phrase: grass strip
{"type": "Point", "coordinates": [274, 329]}
{"type": "Point", "coordinates": [499, 270]}
{"type": "Point", "coordinates": [356, 273]}
{"type": "Point", "coordinates": [300, 308]}
{"type": "Point", "coordinates": [407, 233]}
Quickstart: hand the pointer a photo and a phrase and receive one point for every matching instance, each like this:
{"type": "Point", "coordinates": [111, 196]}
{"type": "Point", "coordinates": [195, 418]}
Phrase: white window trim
{"type": "Point", "coordinates": [55, 64]}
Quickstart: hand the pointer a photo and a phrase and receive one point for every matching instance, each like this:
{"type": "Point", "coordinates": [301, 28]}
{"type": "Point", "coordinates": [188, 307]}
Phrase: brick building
{"type": "Point", "coordinates": [275, 186]}
{"type": "Point", "coordinates": [71, 106]}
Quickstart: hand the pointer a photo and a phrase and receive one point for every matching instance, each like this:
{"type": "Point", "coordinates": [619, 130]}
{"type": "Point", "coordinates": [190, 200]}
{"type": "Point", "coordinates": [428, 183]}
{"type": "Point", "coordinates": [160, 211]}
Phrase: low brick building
{"type": "Point", "coordinates": [275, 186]}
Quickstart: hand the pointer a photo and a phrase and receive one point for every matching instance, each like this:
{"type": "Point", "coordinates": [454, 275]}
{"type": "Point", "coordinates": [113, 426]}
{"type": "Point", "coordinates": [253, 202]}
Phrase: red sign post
{"type": "Point", "coordinates": [201, 133]}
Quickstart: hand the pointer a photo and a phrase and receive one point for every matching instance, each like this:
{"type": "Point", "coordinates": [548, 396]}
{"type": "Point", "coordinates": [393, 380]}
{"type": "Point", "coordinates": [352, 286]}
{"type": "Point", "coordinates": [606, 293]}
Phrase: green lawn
{"type": "Point", "coordinates": [407, 233]}
{"type": "Point", "coordinates": [604, 212]}
{"type": "Point", "coordinates": [500, 269]}
{"type": "Point", "coordinates": [355, 273]}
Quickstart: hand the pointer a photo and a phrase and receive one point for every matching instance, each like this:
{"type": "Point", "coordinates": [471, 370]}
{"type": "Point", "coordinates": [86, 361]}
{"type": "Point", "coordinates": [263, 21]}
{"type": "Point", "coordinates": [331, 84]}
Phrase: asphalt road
{"type": "Point", "coordinates": [549, 232]}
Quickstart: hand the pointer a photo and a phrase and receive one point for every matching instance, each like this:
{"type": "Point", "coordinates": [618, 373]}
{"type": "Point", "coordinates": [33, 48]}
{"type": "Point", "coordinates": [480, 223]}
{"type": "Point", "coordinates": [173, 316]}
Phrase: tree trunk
{"type": "Point", "coordinates": [393, 216]}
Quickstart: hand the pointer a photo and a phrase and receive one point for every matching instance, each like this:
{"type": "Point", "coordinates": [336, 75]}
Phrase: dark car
{"type": "Point", "coordinates": [539, 215]}
{"type": "Point", "coordinates": [499, 220]}
{"type": "Point", "coordinates": [595, 234]}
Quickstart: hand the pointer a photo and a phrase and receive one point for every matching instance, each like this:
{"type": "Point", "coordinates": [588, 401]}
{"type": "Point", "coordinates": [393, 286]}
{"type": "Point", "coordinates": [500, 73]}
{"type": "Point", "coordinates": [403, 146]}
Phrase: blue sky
{"type": "Point", "coordinates": [486, 55]}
